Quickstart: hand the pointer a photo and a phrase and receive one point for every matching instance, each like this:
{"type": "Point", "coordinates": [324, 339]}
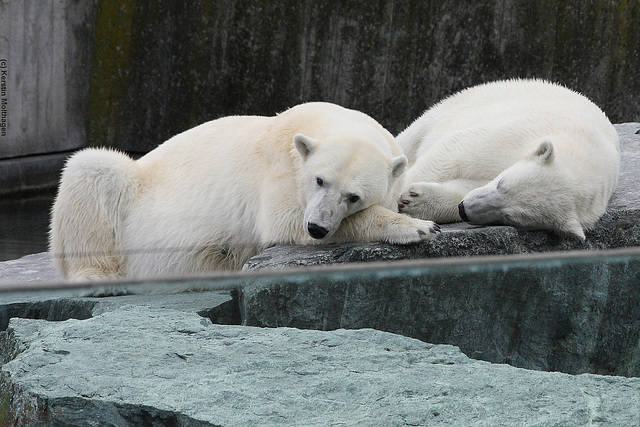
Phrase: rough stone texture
{"type": "Point", "coordinates": [569, 312]}
{"type": "Point", "coordinates": [176, 368]}
{"type": "Point", "coordinates": [30, 268]}
{"type": "Point", "coordinates": [614, 230]}
{"type": "Point", "coordinates": [163, 69]}
{"type": "Point", "coordinates": [63, 304]}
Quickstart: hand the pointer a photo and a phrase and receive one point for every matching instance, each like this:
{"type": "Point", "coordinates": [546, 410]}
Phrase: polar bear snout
{"type": "Point", "coordinates": [463, 214]}
{"type": "Point", "coordinates": [316, 231]}
{"type": "Point", "coordinates": [484, 206]}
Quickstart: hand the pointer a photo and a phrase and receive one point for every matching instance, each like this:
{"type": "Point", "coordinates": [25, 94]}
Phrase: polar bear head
{"type": "Point", "coordinates": [342, 175]}
{"type": "Point", "coordinates": [533, 193]}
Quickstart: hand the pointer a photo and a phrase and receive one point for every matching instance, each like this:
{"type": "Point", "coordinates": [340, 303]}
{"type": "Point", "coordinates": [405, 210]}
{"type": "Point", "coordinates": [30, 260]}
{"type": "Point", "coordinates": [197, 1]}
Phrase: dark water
{"type": "Point", "coordinates": [24, 224]}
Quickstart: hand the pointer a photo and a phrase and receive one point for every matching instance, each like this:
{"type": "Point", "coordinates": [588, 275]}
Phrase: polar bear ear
{"type": "Point", "coordinates": [304, 145]}
{"type": "Point", "coordinates": [545, 152]}
{"type": "Point", "coordinates": [398, 165]}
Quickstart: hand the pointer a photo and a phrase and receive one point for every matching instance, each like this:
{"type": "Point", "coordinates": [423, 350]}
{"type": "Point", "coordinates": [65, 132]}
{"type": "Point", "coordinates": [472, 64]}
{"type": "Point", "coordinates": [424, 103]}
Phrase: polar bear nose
{"type": "Point", "coordinates": [316, 231]}
{"type": "Point", "coordinates": [462, 213]}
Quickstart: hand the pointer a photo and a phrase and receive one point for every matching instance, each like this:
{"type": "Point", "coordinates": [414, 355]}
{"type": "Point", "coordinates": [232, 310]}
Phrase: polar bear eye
{"type": "Point", "coordinates": [319, 181]}
{"type": "Point", "coordinates": [354, 198]}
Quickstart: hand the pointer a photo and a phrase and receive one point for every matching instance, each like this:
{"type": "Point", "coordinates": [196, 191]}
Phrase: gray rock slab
{"type": "Point", "coordinates": [572, 312]}
{"type": "Point", "coordinates": [176, 368]}
{"type": "Point", "coordinates": [29, 268]}
{"type": "Point", "coordinates": [616, 229]}
{"type": "Point", "coordinates": [57, 305]}
{"type": "Point", "coordinates": [62, 304]}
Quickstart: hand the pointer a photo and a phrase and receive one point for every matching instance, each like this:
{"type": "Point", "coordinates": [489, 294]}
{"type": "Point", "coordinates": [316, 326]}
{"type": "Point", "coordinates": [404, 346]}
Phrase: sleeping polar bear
{"type": "Point", "coordinates": [526, 153]}
{"type": "Point", "coordinates": [215, 195]}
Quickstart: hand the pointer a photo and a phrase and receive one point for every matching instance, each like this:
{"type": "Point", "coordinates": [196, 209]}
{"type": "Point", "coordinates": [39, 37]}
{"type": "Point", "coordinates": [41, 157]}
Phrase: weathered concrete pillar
{"type": "Point", "coordinates": [45, 54]}
{"type": "Point", "coordinates": [45, 67]}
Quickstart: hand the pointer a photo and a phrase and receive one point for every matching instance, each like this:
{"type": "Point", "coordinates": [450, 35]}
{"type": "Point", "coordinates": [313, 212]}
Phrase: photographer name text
{"type": "Point", "coordinates": [4, 104]}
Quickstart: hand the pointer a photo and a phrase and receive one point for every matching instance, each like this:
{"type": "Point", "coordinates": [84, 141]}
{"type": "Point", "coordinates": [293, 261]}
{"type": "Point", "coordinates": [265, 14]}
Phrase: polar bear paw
{"type": "Point", "coordinates": [419, 199]}
{"type": "Point", "coordinates": [433, 200]}
{"type": "Point", "coordinates": [411, 230]}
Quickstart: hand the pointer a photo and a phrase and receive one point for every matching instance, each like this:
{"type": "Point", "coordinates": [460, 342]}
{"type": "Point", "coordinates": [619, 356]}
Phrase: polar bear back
{"type": "Point", "coordinates": [248, 188]}
{"type": "Point", "coordinates": [484, 129]}
{"type": "Point", "coordinates": [528, 153]}
{"type": "Point", "coordinates": [256, 145]}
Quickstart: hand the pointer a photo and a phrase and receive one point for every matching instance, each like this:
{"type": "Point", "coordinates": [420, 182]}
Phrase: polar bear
{"type": "Point", "coordinates": [525, 153]}
{"type": "Point", "coordinates": [215, 195]}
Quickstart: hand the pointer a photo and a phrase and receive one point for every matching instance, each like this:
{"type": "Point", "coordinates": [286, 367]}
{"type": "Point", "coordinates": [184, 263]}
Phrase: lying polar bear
{"type": "Point", "coordinates": [217, 194]}
{"type": "Point", "coordinates": [526, 153]}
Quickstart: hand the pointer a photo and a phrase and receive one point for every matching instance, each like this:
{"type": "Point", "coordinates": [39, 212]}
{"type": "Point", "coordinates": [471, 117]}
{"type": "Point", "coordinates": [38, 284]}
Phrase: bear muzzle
{"type": "Point", "coordinates": [462, 213]}
{"type": "Point", "coordinates": [316, 231]}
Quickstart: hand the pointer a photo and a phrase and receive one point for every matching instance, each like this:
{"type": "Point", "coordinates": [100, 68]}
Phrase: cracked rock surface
{"type": "Point", "coordinates": [176, 368]}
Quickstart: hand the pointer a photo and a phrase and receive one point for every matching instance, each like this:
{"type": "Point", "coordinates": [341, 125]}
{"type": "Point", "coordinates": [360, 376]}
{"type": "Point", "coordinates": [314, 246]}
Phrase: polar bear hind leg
{"type": "Point", "coordinates": [96, 188]}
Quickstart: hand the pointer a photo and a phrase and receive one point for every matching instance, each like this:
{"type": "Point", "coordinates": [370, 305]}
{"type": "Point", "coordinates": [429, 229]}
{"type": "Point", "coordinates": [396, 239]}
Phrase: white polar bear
{"type": "Point", "coordinates": [526, 153]}
{"type": "Point", "coordinates": [217, 194]}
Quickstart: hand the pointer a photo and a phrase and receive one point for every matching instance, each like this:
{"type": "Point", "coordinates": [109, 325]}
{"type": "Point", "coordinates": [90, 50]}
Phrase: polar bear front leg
{"type": "Point", "coordinates": [436, 201]}
{"type": "Point", "coordinates": [377, 223]}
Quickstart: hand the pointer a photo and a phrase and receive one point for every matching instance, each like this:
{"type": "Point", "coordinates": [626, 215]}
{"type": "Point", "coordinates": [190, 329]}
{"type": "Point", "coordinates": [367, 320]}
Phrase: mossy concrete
{"type": "Point", "coordinates": [163, 69]}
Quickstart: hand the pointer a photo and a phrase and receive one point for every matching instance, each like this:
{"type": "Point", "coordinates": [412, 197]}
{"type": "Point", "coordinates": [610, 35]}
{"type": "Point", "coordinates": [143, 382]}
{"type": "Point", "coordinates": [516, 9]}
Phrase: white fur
{"type": "Point", "coordinates": [213, 196]}
{"type": "Point", "coordinates": [527, 153]}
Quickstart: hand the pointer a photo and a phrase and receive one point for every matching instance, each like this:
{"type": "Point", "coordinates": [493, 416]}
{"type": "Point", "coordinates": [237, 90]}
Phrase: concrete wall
{"type": "Point", "coordinates": [164, 68]}
{"type": "Point", "coordinates": [45, 51]}
{"type": "Point", "coordinates": [131, 73]}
